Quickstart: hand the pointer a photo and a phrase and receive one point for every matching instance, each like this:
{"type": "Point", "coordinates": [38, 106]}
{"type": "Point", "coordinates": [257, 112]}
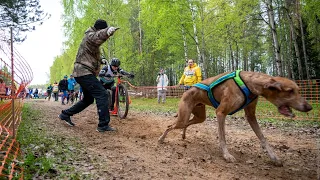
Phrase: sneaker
{"type": "Point", "coordinates": [105, 128]}
{"type": "Point", "coordinates": [66, 118]}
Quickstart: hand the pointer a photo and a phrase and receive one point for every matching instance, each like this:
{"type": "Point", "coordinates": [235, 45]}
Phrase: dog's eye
{"type": "Point", "coordinates": [291, 91]}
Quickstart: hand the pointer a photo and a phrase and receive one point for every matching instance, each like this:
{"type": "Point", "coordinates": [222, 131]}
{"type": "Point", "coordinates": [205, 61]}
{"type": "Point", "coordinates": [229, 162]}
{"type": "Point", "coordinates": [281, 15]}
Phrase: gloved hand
{"type": "Point", "coordinates": [131, 75]}
{"type": "Point", "coordinates": [111, 30]}
{"type": "Point", "coordinates": [104, 61]}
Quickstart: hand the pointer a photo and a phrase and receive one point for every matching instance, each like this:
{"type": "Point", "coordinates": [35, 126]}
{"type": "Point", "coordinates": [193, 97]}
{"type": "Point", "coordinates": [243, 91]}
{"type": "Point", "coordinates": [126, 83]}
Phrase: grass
{"type": "Point", "coordinates": [151, 104]}
{"type": "Point", "coordinates": [46, 155]}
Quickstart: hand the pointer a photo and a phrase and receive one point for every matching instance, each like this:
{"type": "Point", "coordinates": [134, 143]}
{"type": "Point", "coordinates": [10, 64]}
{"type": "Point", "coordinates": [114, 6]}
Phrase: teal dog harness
{"type": "Point", "coordinates": [249, 96]}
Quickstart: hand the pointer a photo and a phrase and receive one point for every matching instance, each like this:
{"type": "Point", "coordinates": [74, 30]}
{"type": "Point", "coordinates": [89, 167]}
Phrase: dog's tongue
{"type": "Point", "coordinates": [285, 110]}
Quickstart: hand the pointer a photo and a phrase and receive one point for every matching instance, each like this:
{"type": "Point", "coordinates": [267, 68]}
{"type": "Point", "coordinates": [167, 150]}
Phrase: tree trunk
{"type": "Point", "coordinates": [237, 58]}
{"type": "Point", "coordinates": [231, 58]}
{"type": "Point", "coordinates": [295, 43]}
{"type": "Point", "coordinates": [290, 74]}
{"type": "Point", "coordinates": [303, 40]}
{"type": "Point", "coordinates": [184, 43]}
{"type": "Point", "coordinates": [274, 37]}
{"type": "Point", "coordinates": [140, 31]}
{"type": "Point", "coordinates": [252, 64]}
{"type": "Point", "coordinates": [195, 34]}
{"type": "Point", "coordinates": [245, 60]}
{"type": "Point", "coordinates": [205, 69]}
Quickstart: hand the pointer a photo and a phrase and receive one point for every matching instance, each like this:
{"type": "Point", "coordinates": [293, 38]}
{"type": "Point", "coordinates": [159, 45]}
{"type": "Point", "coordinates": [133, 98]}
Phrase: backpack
{"type": "Point", "coordinates": [55, 89]}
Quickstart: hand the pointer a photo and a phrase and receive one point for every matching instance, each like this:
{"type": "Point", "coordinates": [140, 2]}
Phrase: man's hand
{"type": "Point", "coordinates": [111, 30]}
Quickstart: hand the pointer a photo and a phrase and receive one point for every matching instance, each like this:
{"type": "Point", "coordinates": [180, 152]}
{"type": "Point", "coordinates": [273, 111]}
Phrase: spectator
{"type": "Point", "coordinates": [71, 83]}
{"type": "Point", "coordinates": [191, 75]}
{"type": "Point", "coordinates": [49, 91]}
{"type": "Point", "coordinates": [86, 69]}
{"type": "Point", "coordinates": [63, 87]}
{"type": "Point", "coordinates": [107, 80]}
{"type": "Point", "coordinates": [162, 80]}
{"type": "Point", "coordinates": [36, 93]}
{"type": "Point", "coordinates": [31, 93]}
{"type": "Point", "coordinates": [27, 92]}
{"type": "Point", "coordinates": [2, 89]}
{"type": "Point", "coordinates": [55, 90]}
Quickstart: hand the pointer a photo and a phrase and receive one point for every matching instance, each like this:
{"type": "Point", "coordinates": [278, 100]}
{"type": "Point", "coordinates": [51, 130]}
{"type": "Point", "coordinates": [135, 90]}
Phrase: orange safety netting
{"type": "Point", "coordinates": [15, 75]}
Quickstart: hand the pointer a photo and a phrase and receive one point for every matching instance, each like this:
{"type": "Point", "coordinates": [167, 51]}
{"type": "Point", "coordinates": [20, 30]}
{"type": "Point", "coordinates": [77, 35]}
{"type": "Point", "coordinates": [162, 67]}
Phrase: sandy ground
{"type": "Point", "coordinates": [134, 153]}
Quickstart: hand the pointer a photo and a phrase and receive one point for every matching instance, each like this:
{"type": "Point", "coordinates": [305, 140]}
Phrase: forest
{"type": "Point", "coordinates": [277, 37]}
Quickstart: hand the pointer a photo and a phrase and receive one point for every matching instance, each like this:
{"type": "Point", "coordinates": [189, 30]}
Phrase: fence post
{"type": "Point", "coordinates": [12, 86]}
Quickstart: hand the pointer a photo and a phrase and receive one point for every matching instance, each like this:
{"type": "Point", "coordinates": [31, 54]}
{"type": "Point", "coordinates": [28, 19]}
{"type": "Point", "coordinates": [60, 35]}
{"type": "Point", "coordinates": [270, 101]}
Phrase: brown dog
{"type": "Point", "coordinates": [281, 92]}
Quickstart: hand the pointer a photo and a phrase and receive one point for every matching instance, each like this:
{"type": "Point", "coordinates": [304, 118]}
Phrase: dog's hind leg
{"type": "Point", "coordinates": [250, 112]}
{"type": "Point", "coordinates": [182, 120]}
{"type": "Point", "coordinates": [199, 113]}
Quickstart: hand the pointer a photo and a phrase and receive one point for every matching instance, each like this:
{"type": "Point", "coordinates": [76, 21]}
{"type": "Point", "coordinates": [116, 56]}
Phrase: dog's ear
{"type": "Point", "coordinates": [273, 84]}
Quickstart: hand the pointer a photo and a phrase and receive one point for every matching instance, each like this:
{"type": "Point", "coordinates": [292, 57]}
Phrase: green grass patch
{"type": "Point", "coordinates": [152, 105]}
{"type": "Point", "coordinates": [46, 155]}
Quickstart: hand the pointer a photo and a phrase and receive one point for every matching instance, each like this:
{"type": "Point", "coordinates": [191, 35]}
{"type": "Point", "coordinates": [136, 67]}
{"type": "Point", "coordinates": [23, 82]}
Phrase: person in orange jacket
{"type": "Point", "coordinates": [191, 75]}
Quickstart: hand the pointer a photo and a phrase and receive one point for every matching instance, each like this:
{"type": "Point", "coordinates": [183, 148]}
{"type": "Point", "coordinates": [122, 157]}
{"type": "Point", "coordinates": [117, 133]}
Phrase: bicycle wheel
{"type": "Point", "coordinates": [123, 101]}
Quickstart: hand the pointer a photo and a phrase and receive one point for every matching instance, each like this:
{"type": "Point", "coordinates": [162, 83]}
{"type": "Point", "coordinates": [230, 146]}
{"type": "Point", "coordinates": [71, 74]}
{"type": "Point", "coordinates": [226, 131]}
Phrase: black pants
{"type": "Point", "coordinates": [55, 95]}
{"type": "Point", "coordinates": [92, 89]}
{"type": "Point", "coordinates": [48, 95]}
{"type": "Point", "coordinates": [70, 93]}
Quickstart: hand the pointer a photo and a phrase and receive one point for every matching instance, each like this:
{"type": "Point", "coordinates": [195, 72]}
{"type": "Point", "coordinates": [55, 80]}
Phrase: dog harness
{"type": "Point", "coordinates": [249, 96]}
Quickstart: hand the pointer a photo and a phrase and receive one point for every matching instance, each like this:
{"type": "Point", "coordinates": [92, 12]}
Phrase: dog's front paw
{"type": "Point", "coordinates": [229, 158]}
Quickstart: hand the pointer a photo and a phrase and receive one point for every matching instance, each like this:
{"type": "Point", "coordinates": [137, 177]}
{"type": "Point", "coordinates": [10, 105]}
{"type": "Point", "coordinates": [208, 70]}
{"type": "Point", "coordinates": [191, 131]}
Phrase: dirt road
{"type": "Point", "coordinates": [133, 152]}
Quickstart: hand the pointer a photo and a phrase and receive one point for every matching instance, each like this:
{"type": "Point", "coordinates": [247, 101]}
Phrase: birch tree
{"type": "Point", "coordinates": [272, 24]}
{"type": "Point", "coordinates": [294, 38]}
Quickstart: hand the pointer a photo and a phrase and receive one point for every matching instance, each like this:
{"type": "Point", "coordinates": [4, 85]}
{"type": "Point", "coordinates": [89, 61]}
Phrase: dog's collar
{"type": "Point", "coordinates": [236, 77]}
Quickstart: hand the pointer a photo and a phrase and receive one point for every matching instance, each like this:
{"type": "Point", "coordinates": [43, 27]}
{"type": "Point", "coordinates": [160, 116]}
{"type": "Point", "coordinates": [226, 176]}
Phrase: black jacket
{"type": "Point", "coordinates": [63, 85]}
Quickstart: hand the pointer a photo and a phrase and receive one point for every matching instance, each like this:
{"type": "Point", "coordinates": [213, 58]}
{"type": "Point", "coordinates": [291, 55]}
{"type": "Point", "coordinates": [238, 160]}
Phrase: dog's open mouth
{"type": "Point", "coordinates": [286, 110]}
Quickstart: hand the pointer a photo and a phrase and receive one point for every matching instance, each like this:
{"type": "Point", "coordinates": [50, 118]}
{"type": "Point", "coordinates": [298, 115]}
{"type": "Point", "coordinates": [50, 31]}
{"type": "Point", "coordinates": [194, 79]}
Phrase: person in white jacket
{"type": "Point", "coordinates": [162, 80]}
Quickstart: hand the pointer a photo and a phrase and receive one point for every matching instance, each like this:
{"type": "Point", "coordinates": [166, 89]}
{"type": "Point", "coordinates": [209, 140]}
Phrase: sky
{"type": "Point", "coordinates": [45, 43]}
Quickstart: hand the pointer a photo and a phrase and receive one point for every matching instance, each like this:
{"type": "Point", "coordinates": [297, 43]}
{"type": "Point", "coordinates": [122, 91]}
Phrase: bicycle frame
{"type": "Point", "coordinates": [116, 108]}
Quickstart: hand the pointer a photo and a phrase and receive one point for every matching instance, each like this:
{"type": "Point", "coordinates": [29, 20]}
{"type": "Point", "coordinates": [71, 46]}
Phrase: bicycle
{"type": "Point", "coordinates": [122, 99]}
